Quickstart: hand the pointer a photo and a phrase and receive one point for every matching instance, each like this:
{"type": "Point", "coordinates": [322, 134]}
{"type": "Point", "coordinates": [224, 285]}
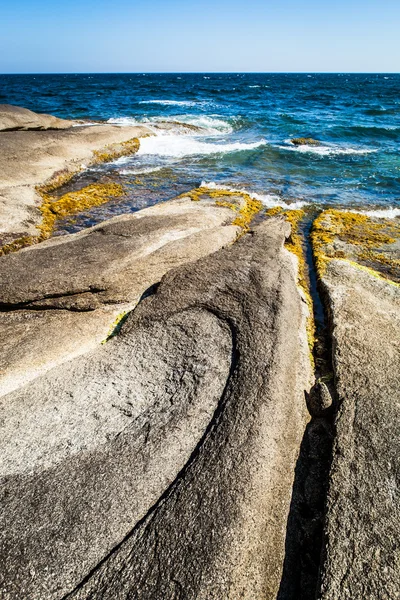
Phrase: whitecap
{"type": "Point", "coordinates": [177, 146]}
{"type": "Point", "coordinates": [171, 102]}
{"type": "Point", "coordinates": [211, 124]}
{"type": "Point", "coordinates": [254, 86]}
{"type": "Point", "coordinates": [380, 213]}
{"type": "Point", "coordinates": [268, 200]}
{"type": "Point", "coordinates": [326, 150]}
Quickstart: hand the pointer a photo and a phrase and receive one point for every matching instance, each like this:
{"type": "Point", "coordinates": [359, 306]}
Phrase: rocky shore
{"type": "Point", "coordinates": [168, 427]}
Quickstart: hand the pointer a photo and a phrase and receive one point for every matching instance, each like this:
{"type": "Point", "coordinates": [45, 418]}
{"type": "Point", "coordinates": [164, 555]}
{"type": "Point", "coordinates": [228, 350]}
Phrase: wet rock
{"type": "Point", "coordinates": [302, 141]}
{"type": "Point", "coordinates": [13, 118]}
{"type": "Point", "coordinates": [362, 552]}
{"type": "Point", "coordinates": [160, 465]}
{"type": "Point", "coordinates": [29, 159]}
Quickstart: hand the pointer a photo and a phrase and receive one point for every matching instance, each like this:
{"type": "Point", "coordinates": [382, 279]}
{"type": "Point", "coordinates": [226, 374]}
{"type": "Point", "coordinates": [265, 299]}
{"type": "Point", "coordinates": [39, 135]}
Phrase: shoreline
{"type": "Point", "coordinates": [170, 404]}
{"type": "Point", "coordinates": [34, 163]}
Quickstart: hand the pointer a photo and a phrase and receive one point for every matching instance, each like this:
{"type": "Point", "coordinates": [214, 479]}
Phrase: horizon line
{"type": "Point", "coordinates": [204, 72]}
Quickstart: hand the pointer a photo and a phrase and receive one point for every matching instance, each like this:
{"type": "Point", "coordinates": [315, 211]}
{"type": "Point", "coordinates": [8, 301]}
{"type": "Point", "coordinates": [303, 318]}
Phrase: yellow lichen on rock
{"type": "Point", "coordinates": [74, 202]}
{"type": "Point", "coordinates": [240, 202]}
{"type": "Point", "coordinates": [114, 151]}
{"type": "Point", "coordinates": [17, 244]}
{"type": "Point", "coordinates": [116, 326]}
{"type": "Point", "coordinates": [356, 237]}
{"type": "Point", "coordinates": [295, 245]}
{"type": "Point", "coordinates": [69, 204]}
{"type": "Point", "coordinates": [57, 180]}
{"type": "Point", "coordinates": [91, 195]}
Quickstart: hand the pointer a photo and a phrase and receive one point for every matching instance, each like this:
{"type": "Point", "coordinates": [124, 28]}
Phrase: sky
{"type": "Point", "coordinates": [44, 36]}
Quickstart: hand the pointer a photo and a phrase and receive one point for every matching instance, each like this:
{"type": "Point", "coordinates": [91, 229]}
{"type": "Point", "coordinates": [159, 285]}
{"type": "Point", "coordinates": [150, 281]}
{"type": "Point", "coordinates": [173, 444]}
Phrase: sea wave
{"type": "Point", "coordinates": [212, 124]}
{"type": "Point", "coordinates": [269, 200]}
{"type": "Point", "coordinates": [171, 102]}
{"type": "Point", "coordinates": [380, 213]}
{"type": "Point", "coordinates": [366, 132]}
{"type": "Point", "coordinates": [327, 150]}
{"type": "Point", "coordinates": [178, 146]}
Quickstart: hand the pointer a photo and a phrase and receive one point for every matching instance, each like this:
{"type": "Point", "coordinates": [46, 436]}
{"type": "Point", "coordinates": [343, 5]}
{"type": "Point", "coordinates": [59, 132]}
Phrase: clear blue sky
{"type": "Point", "coordinates": [54, 36]}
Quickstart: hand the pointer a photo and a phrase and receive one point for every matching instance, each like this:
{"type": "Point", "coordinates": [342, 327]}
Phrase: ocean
{"type": "Point", "coordinates": [248, 122]}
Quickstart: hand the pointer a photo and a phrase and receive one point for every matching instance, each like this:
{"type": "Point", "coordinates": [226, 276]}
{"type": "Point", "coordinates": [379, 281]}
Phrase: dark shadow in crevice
{"type": "Point", "coordinates": [305, 527]}
{"type": "Point", "coordinates": [150, 291]}
{"type": "Point", "coordinates": [304, 531]}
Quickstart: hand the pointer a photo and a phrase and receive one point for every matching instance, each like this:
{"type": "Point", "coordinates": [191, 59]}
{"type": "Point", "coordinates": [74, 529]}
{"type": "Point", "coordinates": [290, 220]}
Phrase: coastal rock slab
{"type": "Point", "coordinates": [362, 552]}
{"type": "Point", "coordinates": [59, 298]}
{"type": "Point", "coordinates": [29, 158]}
{"type": "Point", "coordinates": [161, 464]}
{"type": "Point", "coordinates": [13, 118]}
{"type": "Point", "coordinates": [370, 241]}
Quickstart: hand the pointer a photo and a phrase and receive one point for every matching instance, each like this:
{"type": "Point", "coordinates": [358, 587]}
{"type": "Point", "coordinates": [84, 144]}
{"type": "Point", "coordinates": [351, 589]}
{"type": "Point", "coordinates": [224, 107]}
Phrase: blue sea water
{"type": "Point", "coordinates": [248, 121]}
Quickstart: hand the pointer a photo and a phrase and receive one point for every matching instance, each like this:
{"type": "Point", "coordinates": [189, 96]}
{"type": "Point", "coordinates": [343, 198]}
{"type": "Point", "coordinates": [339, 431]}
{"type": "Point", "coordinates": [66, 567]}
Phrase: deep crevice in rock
{"type": "Point", "coordinates": [30, 304]}
{"type": "Point", "coordinates": [305, 525]}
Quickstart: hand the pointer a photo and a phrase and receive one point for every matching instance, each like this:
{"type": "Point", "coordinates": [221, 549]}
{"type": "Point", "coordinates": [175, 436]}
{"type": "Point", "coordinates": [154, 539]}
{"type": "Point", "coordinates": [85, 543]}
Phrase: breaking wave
{"type": "Point", "coordinates": [178, 146]}
{"type": "Point", "coordinates": [269, 200]}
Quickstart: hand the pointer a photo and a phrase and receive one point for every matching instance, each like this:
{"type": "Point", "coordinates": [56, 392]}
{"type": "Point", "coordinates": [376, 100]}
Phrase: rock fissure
{"type": "Point", "coordinates": [305, 526]}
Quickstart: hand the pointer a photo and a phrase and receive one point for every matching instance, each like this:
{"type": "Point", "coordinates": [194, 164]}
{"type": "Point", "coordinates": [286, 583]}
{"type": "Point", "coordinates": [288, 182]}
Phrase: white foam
{"type": "Point", "coordinates": [212, 124]}
{"type": "Point", "coordinates": [326, 150]}
{"type": "Point", "coordinates": [381, 213]}
{"type": "Point", "coordinates": [254, 86]}
{"type": "Point", "coordinates": [269, 200]}
{"type": "Point", "coordinates": [143, 171]}
{"type": "Point", "coordinates": [124, 121]}
{"type": "Point", "coordinates": [178, 146]}
{"type": "Point", "coordinates": [170, 102]}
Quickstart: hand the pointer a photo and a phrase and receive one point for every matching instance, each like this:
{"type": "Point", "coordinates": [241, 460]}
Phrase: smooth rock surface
{"type": "Point", "coordinates": [164, 459]}
{"type": "Point", "coordinates": [362, 551]}
{"type": "Point", "coordinates": [13, 118]}
{"type": "Point", "coordinates": [29, 158]}
{"type": "Point", "coordinates": [59, 298]}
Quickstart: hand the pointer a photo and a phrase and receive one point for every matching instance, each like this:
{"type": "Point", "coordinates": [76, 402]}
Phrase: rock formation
{"type": "Point", "coordinates": [55, 305]}
{"type": "Point", "coordinates": [305, 141]}
{"type": "Point", "coordinates": [362, 554]}
{"type": "Point", "coordinates": [13, 118]}
{"type": "Point", "coordinates": [155, 375]}
{"type": "Point", "coordinates": [161, 463]}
